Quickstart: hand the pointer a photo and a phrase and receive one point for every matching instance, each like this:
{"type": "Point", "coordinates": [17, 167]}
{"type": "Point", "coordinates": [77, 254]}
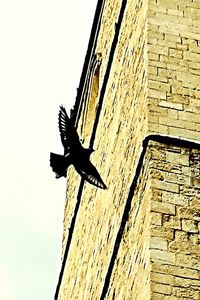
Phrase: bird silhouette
{"type": "Point", "coordinates": [74, 153]}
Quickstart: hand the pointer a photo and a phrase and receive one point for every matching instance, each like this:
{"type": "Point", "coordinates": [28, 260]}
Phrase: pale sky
{"type": "Point", "coordinates": [42, 49]}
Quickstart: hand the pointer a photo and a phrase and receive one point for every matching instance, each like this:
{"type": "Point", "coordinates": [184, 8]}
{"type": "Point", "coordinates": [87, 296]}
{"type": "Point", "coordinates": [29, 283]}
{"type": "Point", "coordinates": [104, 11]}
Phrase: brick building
{"type": "Point", "coordinates": [138, 105]}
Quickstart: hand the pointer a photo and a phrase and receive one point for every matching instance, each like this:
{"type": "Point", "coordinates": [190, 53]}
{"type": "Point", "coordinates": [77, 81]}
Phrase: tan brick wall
{"type": "Point", "coordinates": [153, 87]}
{"type": "Point", "coordinates": [175, 220]}
{"type": "Point", "coordinates": [159, 256]}
{"type": "Point", "coordinates": [107, 31]}
{"type": "Point", "coordinates": [116, 140]}
{"type": "Point", "coordinates": [131, 273]}
{"type": "Point", "coordinates": [174, 67]}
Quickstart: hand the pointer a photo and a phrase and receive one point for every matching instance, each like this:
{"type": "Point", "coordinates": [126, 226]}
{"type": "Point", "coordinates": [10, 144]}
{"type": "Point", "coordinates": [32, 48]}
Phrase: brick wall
{"type": "Point", "coordinates": [159, 255]}
{"type": "Point", "coordinates": [141, 245]}
{"type": "Point", "coordinates": [116, 141]}
{"type": "Point", "coordinates": [175, 221]}
{"type": "Point", "coordinates": [130, 278]}
{"type": "Point", "coordinates": [174, 67]}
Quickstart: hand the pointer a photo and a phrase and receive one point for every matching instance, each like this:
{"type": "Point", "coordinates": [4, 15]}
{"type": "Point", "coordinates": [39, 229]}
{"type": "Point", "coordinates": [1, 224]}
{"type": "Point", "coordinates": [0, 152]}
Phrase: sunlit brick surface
{"type": "Point", "coordinates": [153, 88]}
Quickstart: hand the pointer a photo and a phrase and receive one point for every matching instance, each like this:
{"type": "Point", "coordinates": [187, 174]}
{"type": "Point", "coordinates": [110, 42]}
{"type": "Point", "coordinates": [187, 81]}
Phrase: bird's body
{"type": "Point", "coordinates": [74, 154]}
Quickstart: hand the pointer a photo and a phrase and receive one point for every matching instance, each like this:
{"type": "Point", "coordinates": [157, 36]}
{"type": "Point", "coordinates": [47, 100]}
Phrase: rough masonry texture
{"type": "Point", "coordinates": [138, 105]}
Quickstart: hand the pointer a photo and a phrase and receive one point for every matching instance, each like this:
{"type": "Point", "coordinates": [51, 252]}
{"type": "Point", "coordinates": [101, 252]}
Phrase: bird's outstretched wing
{"type": "Point", "coordinates": [90, 174]}
{"type": "Point", "coordinates": [68, 134]}
{"type": "Point", "coordinates": [72, 145]}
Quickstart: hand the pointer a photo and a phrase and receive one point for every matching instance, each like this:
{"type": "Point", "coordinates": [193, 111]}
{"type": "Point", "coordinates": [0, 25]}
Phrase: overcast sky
{"type": "Point", "coordinates": [42, 50]}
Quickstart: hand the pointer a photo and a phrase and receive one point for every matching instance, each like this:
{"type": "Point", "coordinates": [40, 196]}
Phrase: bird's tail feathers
{"type": "Point", "coordinates": [59, 164]}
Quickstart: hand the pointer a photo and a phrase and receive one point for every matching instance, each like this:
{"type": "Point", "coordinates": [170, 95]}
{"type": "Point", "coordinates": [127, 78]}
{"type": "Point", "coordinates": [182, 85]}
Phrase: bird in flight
{"type": "Point", "coordinates": [74, 153]}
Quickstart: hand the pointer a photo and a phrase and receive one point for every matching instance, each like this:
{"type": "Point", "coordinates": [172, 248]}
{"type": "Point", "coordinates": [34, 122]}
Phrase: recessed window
{"type": "Point", "coordinates": [90, 103]}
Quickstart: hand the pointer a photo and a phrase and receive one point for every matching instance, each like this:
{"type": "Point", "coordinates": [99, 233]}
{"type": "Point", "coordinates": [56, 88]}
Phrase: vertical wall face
{"type": "Point", "coordinates": [140, 238]}
{"type": "Point", "coordinates": [174, 67]}
{"type": "Point", "coordinates": [159, 254]}
{"type": "Point", "coordinates": [130, 278]}
{"type": "Point", "coordinates": [174, 106]}
{"type": "Point", "coordinates": [175, 221]}
{"type": "Point", "coordinates": [120, 132]}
